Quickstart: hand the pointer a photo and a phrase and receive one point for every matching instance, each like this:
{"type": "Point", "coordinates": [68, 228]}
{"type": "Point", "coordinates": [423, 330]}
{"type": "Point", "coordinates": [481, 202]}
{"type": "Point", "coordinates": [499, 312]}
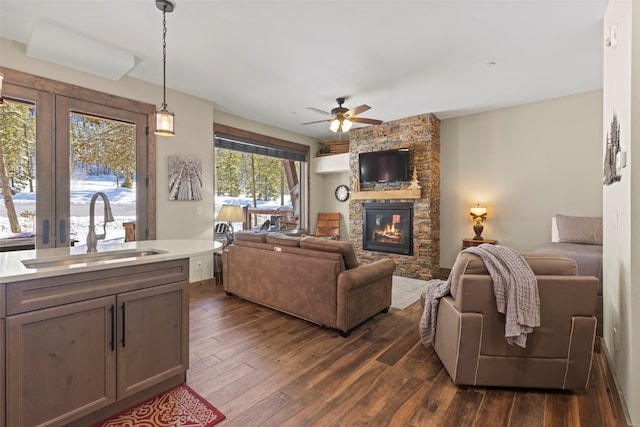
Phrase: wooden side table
{"type": "Point", "coordinates": [467, 243]}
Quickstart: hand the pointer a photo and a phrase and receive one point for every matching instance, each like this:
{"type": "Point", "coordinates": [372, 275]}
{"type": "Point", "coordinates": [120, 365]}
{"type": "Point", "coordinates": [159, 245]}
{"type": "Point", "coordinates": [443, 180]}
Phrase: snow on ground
{"type": "Point", "coordinates": [122, 201]}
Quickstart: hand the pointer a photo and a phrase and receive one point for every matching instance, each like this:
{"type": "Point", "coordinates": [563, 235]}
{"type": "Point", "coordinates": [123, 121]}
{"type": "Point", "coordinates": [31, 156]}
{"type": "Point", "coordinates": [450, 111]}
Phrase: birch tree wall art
{"type": "Point", "coordinates": [185, 178]}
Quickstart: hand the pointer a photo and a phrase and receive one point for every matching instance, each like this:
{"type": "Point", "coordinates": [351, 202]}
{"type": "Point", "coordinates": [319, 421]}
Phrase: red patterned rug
{"type": "Point", "coordinates": [179, 406]}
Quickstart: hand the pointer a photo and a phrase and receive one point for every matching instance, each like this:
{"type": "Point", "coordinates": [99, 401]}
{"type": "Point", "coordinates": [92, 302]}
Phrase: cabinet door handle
{"type": "Point", "coordinates": [123, 326]}
{"type": "Point", "coordinates": [112, 309]}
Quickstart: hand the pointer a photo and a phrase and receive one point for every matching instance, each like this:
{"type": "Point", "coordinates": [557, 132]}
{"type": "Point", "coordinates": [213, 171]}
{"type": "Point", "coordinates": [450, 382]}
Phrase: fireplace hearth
{"type": "Point", "coordinates": [388, 227]}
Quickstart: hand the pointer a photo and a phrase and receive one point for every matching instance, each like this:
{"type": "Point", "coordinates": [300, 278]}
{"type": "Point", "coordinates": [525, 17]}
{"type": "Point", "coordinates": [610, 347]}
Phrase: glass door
{"type": "Point", "coordinates": [102, 158]}
{"type": "Point", "coordinates": [97, 158]}
{"type": "Point", "coordinates": [57, 154]}
{"type": "Point", "coordinates": [20, 155]}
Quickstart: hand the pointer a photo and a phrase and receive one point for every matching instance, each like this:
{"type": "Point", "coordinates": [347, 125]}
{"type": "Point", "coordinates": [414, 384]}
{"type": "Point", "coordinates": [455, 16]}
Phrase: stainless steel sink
{"type": "Point", "coordinates": [90, 258]}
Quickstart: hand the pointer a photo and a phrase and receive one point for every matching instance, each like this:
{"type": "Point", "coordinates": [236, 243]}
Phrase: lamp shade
{"type": "Point", "coordinates": [230, 213]}
{"type": "Point", "coordinates": [164, 122]}
{"type": "Point", "coordinates": [478, 213]}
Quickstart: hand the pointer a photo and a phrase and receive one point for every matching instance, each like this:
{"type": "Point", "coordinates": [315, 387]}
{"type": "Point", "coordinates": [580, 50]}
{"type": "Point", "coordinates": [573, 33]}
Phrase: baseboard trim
{"type": "Point", "coordinates": [618, 404]}
{"type": "Point", "coordinates": [207, 283]}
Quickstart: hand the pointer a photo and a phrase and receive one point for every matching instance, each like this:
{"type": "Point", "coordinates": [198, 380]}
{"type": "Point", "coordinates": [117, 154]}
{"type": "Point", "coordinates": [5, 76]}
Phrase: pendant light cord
{"type": "Point", "coordinates": [164, 58]}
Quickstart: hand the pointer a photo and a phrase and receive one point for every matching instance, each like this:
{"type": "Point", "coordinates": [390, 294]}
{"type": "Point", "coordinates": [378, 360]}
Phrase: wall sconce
{"type": "Point", "coordinates": [1, 78]}
{"type": "Point", "coordinates": [164, 116]}
{"type": "Point", "coordinates": [478, 214]}
{"type": "Point", "coordinates": [229, 214]}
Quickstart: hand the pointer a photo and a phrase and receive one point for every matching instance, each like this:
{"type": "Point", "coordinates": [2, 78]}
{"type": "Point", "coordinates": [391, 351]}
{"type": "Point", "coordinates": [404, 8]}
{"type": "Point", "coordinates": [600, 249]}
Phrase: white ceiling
{"type": "Point", "coordinates": [269, 60]}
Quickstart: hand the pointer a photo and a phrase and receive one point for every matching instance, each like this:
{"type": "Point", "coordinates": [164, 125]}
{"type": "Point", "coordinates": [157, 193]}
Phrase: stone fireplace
{"type": "Point", "coordinates": [421, 135]}
{"type": "Point", "coordinates": [388, 227]}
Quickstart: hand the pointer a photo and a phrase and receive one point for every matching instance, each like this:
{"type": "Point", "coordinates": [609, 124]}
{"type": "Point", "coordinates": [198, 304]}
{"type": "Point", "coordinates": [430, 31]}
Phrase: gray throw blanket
{"type": "Point", "coordinates": [436, 289]}
{"type": "Point", "coordinates": [515, 288]}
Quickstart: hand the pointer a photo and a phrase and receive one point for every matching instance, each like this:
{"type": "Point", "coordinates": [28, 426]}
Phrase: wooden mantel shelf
{"type": "Point", "coordinates": [386, 194]}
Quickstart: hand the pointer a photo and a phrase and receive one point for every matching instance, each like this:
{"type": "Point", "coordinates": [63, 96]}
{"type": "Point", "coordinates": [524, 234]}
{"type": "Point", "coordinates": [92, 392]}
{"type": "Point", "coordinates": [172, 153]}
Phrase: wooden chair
{"type": "Point", "coordinates": [328, 224]}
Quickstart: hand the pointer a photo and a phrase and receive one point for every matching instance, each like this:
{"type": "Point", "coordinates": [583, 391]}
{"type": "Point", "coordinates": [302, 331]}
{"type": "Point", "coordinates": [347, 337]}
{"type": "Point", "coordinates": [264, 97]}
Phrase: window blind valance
{"type": "Point", "coordinates": [246, 145]}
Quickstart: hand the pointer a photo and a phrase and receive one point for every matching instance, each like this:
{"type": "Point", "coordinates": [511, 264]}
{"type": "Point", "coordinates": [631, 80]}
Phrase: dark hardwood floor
{"type": "Point", "coordinates": [264, 368]}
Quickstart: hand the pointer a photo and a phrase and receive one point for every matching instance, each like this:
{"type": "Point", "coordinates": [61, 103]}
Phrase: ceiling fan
{"type": "Point", "coordinates": [343, 118]}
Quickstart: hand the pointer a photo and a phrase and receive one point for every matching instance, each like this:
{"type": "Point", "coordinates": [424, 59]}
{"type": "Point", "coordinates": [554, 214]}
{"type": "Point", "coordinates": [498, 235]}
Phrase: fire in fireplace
{"type": "Point", "coordinates": [388, 227]}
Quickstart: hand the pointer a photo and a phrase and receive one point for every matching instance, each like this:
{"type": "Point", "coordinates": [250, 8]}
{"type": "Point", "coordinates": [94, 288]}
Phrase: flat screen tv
{"type": "Point", "coordinates": [384, 166]}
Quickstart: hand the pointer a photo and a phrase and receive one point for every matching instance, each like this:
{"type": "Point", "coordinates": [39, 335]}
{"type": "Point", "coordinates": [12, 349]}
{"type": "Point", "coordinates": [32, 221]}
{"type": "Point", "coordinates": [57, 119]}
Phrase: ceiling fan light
{"type": "Point", "coordinates": [164, 122]}
{"type": "Point", "coordinates": [346, 125]}
{"type": "Point", "coordinates": [335, 125]}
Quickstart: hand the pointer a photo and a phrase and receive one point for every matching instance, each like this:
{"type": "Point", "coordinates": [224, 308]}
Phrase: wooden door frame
{"type": "Point", "coordinates": [18, 84]}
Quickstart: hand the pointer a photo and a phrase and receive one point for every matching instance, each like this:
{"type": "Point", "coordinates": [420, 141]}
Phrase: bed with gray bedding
{"type": "Point", "coordinates": [579, 238]}
{"type": "Point", "coordinates": [588, 257]}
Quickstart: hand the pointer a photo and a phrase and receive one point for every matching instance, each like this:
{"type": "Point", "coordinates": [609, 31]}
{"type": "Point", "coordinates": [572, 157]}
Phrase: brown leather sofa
{"type": "Point", "coordinates": [312, 278]}
{"type": "Point", "coordinates": [470, 332]}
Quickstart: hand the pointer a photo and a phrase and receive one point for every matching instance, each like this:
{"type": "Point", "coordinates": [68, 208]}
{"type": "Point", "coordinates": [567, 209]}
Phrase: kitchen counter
{"type": "Point", "coordinates": [12, 269]}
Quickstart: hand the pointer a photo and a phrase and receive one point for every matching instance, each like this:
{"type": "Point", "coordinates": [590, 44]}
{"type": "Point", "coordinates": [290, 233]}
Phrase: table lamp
{"type": "Point", "coordinates": [478, 214]}
{"type": "Point", "coordinates": [229, 214]}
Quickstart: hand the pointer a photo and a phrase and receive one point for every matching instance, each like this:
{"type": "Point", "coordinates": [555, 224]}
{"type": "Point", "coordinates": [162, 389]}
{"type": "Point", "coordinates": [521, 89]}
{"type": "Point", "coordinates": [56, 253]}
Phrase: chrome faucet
{"type": "Point", "coordinates": [92, 238]}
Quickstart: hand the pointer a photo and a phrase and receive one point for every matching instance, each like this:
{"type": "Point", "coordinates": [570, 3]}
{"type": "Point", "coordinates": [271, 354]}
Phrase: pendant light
{"type": "Point", "coordinates": [164, 116]}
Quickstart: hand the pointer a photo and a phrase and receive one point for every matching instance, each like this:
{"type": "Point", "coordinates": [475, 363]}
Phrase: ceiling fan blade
{"type": "Point", "coordinates": [355, 111]}
{"type": "Point", "coordinates": [364, 120]}
{"type": "Point", "coordinates": [317, 121]}
{"type": "Point", "coordinates": [317, 110]}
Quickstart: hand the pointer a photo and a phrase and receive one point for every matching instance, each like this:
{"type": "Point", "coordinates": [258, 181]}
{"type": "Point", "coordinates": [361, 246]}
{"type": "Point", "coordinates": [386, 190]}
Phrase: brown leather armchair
{"type": "Point", "coordinates": [470, 338]}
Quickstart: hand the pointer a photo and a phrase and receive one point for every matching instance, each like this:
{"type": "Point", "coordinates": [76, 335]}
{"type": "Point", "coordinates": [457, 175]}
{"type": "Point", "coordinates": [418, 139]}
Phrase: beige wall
{"type": "Point", "coordinates": [526, 163]}
{"type": "Point", "coordinates": [621, 205]}
{"type": "Point", "coordinates": [331, 204]}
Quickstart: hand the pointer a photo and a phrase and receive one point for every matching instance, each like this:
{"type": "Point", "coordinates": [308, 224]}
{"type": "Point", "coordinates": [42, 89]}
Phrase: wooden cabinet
{"type": "Point", "coordinates": [467, 243]}
{"type": "Point", "coordinates": [153, 337]}
{"type": "Point", "coordinates": [60, 365]}
{"type": "Point", "coordinates": [81, 355]}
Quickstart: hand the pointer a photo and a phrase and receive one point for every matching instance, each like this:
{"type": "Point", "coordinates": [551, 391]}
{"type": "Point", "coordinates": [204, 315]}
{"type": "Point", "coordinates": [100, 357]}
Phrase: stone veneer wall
{"type": "Point", "coordinates": [421, 135]}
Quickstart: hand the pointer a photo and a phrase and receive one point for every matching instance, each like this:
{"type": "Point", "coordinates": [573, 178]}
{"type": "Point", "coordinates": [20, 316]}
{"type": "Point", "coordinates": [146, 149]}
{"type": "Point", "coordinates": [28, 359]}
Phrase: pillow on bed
{"type": "Point", "coordinates": [579, 229]}
{"type": "Point", "coordinates": [554, 230]}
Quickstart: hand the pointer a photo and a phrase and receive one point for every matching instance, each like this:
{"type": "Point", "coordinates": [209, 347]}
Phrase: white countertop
{"type": "Point", "coordinates": [12, 269]}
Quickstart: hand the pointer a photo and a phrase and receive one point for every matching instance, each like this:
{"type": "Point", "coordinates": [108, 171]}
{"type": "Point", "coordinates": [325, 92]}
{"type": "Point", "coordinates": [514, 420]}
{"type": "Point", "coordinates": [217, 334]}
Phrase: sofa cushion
{"type": "Point", "coordinates": [542, 264]}
{"type": "Point", "coordinates": [283, 239]}
{"type": "Point", "coordinates": [579, 229]}
{"type": "Point", "coordinates": [250, 236]}
{"type": "Point", "coordinates": [344, 248]}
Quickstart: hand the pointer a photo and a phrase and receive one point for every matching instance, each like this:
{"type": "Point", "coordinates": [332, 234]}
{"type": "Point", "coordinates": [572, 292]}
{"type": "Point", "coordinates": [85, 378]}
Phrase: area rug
{"type": "Point", "coordinates": [405, 291]}
{"type": "Point", "coordinates": [180, 406]}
